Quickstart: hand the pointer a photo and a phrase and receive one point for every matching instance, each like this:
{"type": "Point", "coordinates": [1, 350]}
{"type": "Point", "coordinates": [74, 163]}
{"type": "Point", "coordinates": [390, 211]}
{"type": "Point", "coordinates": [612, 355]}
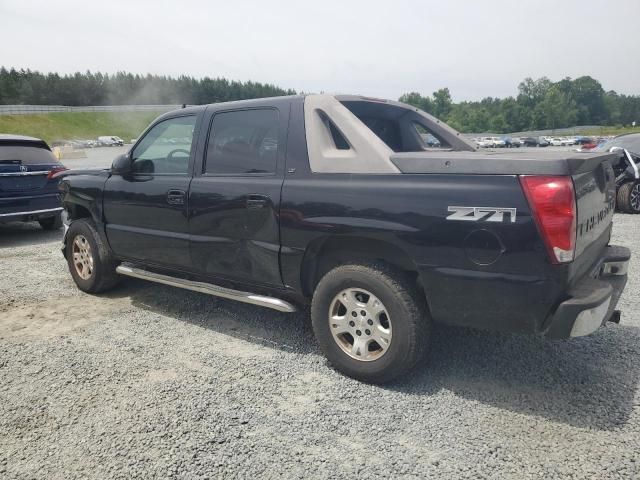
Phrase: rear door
{"type": "Point", "coordinates": [146, 212]}
{"type": "Point", "coordinates": [234, 197]}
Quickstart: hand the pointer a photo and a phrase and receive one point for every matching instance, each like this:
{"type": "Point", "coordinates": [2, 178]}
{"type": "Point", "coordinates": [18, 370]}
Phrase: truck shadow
{"type": "Point", "coordinates": [586, 382]}
{"type": "Point", "coordinates": [29, 233]}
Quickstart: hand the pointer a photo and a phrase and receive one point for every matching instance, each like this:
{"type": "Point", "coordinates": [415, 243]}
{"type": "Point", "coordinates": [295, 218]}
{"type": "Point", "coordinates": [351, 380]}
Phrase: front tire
{"type": "Point", "coordinates": [90, 262]}
{"type": "Point", "coordinates": [51, 223]}
{"type": "Point", "coordinates": [628, 197]}
{"type": "Point", "coordinates": [371, 322]}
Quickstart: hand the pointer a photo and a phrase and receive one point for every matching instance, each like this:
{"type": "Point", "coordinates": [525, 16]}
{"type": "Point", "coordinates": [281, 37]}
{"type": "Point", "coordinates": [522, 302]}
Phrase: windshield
{"type": "Point", "coordinates": [628, 142]}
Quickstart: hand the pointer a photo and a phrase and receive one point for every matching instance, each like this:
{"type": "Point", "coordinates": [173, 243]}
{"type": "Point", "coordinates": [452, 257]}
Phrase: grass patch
{"type": "Point", "coordinates": [77, 125]}
{"type": "Point", "coordinates": [610, 131]}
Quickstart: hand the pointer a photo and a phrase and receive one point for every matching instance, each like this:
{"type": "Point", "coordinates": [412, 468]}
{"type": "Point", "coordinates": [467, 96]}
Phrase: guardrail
{"type": "Point", "coordinates": [558, 132]}
{"type": "Point", "coordinates": [35, 109]}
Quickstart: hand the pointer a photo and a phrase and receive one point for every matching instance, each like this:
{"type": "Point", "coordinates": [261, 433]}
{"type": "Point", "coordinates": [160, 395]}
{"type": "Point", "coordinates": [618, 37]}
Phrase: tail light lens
{"type": "Point", "coordinates": [55, 170]}
{"type": "Point", "coordinates": [553, 205]}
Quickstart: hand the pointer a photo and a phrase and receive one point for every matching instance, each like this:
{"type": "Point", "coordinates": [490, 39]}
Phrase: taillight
{"type": "Point", "coordinates": [553, 205]}
{"type": "Point", "coordinates": [55, 170]}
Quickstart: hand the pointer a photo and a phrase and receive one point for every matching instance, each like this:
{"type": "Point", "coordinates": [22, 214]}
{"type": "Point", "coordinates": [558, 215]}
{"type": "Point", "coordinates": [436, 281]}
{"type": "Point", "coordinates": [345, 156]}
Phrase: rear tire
{"type": "Point", "coordinates": [628, 197]}
{"type": "Point", "coordinates": [371, 322]}
{"type": "Point", "coordinates": [51, 223]}
{"type": "Point", "coordinates": [90, 261]}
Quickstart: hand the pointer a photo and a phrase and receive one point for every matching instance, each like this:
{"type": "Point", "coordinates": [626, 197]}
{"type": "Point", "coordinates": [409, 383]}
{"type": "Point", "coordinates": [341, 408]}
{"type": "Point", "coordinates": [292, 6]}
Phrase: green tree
{"type": "Point", "coordinates": [442, 103]}
{"type": "Point", "coordinates": [557, 109]}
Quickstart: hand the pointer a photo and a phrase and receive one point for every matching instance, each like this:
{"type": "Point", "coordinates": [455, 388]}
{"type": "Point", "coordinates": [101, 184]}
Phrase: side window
{"type": "Point", "coordinates": [427, 139]}
{"type": "Point", "coordinates": [339, 142]}
{"type": "Point", "coordinates": [244, 141]}
{"type": "Point", "coordinates": [166, 148]}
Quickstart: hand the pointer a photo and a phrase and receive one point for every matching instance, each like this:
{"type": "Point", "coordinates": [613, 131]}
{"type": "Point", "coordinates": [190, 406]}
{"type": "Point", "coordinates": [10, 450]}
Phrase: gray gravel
{"type": "Point", "coordinates": [150, 381]}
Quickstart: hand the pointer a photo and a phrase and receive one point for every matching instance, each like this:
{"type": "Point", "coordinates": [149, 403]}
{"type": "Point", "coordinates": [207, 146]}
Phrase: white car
{"type": "Point", "coordinates": [110, 141]}
{"type": "Point", "coordinates": [568, 141]}
{"type": "Point", "coordinates": [485, 142]}
{"type": "Point", "coordinates": [498, 142]}
{"type": "Point", "coordinates": [556, 142]}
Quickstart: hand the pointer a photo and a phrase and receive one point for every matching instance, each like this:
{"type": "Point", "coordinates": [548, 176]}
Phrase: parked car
{"type": "Point", "coordinates": [110, 141]}
{"type": "Point", "coordinates": [28, 190]}
{"type": "Point", "coordinates": [568, 141]}
{"type": "Point", "coordinates": [534, 142]}
{"type": "Point", "coordinates": [430, 141]}
{"type": "Point", "coordinates": [380, 236]}
{"type": "Point", "coordinates": [585, 141]}
{"type": "Point", "coordinates": [498, 142]}
{"type": "Point", "coordinates": [486, 142]}
{"type": "Point", "coordinates": [511, 142]}
{"type": "Point", "coordinates": [626, 170]}
{"type": "Point", "coordinates": [555, 141]}
{"type": "Point", "coordinates": [590, 145]}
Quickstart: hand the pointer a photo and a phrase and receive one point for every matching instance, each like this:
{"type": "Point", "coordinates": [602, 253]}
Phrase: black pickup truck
{"type": "Point", "coordinates": [338, 201]}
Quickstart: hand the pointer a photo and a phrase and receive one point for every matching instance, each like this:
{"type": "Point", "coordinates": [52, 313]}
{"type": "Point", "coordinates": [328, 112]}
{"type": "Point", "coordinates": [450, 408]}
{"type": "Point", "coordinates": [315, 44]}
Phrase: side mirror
{"type": "Point", "coordinates": [121, 165]}
{"type": "Point", "coordinates": [616, 149]}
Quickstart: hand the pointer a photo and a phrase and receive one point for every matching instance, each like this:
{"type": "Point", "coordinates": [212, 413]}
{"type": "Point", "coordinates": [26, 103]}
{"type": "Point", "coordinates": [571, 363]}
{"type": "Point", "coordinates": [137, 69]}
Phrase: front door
{"type": "Point", "coordinates": [146, 211]}
{"type": "Point", "coordinates": [235, 195]}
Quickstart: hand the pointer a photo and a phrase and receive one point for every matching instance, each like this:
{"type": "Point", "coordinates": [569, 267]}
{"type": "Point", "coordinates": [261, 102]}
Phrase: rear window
{"type": "Point", "coordinates": [22, 155]}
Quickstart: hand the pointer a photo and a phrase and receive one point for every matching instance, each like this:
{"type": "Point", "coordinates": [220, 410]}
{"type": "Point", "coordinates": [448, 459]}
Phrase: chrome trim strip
{"type": "Point", "coordinates": [32, 212]}
{"type": "Point", "coordinates": [207, 288]}
{"type": "Point", "coordinates": [24, 174]}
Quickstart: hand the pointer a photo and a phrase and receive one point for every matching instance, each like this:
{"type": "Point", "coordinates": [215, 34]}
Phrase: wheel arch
{"type": "Point", "coordinates": [76, 211]}
{"type": "Point", "coordinates": [326, 253]}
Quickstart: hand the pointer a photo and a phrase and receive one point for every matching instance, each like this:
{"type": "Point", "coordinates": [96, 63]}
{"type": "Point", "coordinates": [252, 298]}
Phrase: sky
{"type": "Point", "coordinates": [377, 48]}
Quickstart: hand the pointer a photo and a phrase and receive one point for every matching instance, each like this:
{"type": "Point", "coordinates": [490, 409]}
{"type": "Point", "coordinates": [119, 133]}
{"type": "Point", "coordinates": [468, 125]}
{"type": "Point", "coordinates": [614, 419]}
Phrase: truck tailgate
{"type": "Point", "coordinates": [594, 183]}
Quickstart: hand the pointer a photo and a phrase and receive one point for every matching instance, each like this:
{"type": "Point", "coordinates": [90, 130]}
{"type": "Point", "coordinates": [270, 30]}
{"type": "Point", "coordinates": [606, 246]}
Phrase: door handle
{"type": "Point", "coordinates": [257, 201]}
{"type": "Point", "coordinates": [176, 197]}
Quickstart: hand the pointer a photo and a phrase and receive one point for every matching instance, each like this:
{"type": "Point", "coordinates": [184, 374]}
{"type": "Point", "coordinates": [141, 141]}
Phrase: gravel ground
{"type": "Point", "coordinates": [150, 381]}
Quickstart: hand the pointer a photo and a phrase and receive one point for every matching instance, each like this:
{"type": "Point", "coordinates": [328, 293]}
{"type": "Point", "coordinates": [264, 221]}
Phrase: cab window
{"type": "Point", "coordinates": [166, 148]}
{"type": "Point", "coordinates": [243, 142]}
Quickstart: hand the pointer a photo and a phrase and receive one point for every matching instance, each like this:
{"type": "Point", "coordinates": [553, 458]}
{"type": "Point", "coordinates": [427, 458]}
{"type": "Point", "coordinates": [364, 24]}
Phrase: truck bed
{"type": "Point", "coordinates": [499, 162]}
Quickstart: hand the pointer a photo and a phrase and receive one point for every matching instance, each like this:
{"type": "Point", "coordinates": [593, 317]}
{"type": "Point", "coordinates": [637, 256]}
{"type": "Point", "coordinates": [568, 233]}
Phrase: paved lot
{"type": "Point", "coordinates": [150, 381]}
{"type": "Point", "coordinates": [100, 157]}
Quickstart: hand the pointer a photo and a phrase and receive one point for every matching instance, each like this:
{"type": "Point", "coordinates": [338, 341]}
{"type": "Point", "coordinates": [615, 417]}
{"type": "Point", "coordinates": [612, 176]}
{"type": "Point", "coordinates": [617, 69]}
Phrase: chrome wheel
{"type": "Point", "coordinates": [634, 197]}
{"type": "Point", "coordinates": [360, 324]}
{"type": "Point", "coordinates": [82, 257]}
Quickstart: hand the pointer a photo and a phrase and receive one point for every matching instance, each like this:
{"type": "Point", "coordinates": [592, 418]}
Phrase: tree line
{"type": "Point", "coordinates": [27, 87]}
{"type": "Point", "coordinates": [540, 105]}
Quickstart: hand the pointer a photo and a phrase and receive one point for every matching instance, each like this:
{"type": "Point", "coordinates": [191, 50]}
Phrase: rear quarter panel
{"type": "Point", "coordinates": [515, 292]}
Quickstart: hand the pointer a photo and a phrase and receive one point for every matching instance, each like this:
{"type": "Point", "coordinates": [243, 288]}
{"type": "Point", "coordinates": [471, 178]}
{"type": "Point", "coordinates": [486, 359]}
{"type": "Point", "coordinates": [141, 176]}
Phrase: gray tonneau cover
{"type": "Point", "coordinates": [506, 162]}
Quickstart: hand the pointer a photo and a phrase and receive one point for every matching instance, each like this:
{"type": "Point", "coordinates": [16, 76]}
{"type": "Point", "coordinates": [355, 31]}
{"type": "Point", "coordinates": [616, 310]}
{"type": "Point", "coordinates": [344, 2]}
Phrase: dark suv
{"type": "Point", "coordinates": [28, 190]}
{"type": "Point", "coordinates": [534, 142]}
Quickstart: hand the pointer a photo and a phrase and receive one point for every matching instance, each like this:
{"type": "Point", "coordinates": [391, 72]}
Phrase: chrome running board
{"type": "Point", "coordinates": [208, 288]}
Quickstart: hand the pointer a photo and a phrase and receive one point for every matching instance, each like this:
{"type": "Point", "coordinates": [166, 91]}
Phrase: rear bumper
{"type": "Point", "coordinates": [30, 215]}
{"type": "Point", "coordinates": [28, 208]}
{"type": "Point", "coordinates": [593, 300]}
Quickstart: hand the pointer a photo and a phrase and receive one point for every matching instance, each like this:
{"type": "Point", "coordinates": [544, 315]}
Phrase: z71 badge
{"type": "Point", "coordinates": [485, 214]}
